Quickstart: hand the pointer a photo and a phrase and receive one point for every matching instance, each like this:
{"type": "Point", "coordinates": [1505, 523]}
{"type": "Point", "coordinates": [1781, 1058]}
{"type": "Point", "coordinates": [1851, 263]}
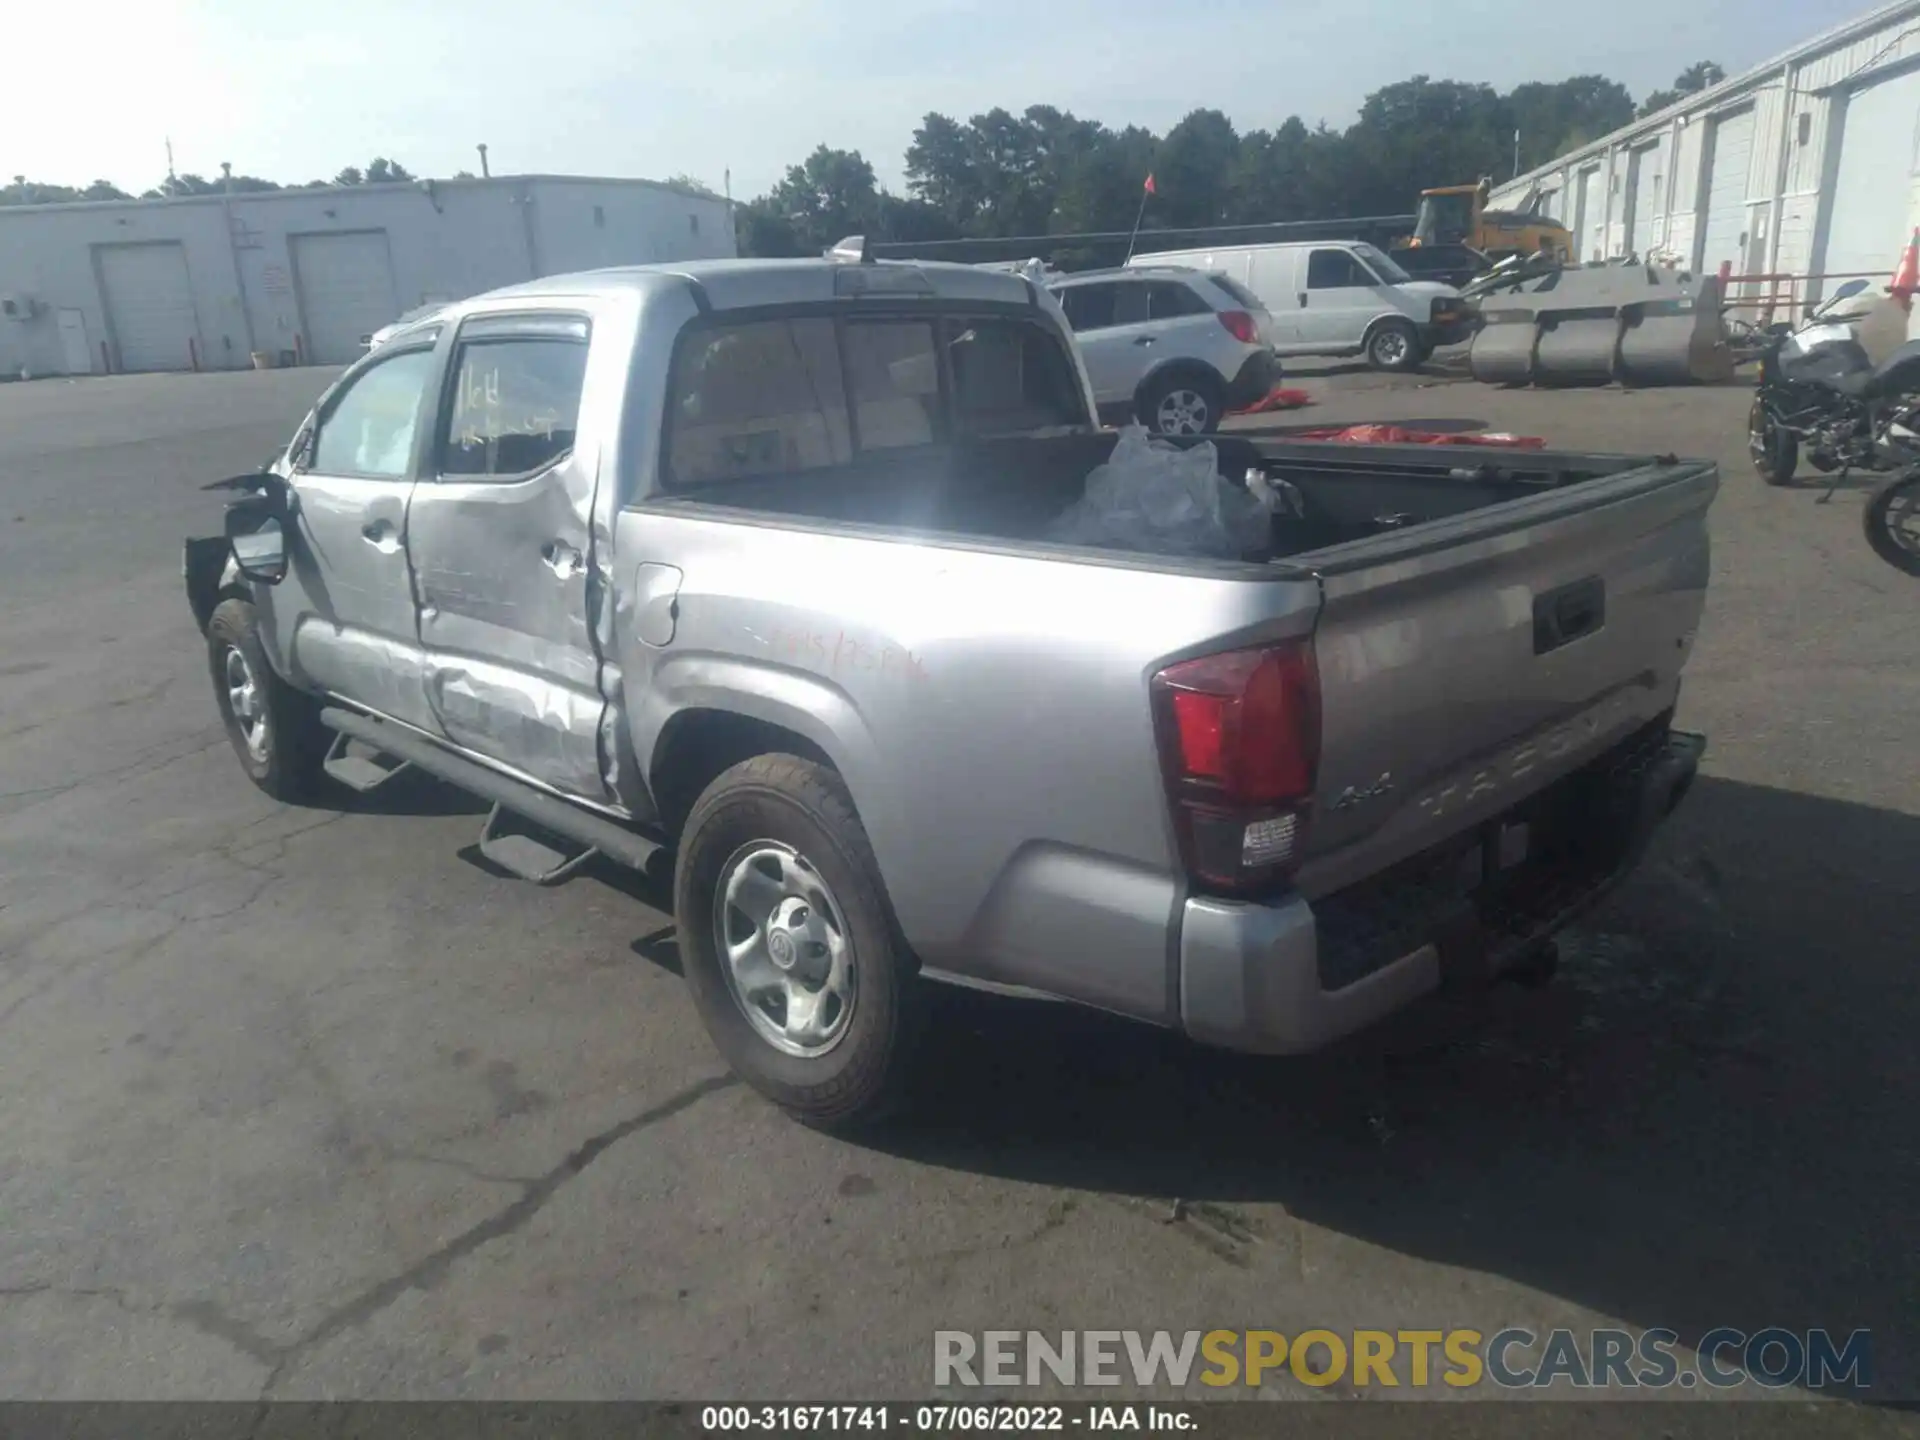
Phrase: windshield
{"type": "Point", "coordinates": [1443, 219]}
{"type": "Point", "coordinates": [1382, 265]}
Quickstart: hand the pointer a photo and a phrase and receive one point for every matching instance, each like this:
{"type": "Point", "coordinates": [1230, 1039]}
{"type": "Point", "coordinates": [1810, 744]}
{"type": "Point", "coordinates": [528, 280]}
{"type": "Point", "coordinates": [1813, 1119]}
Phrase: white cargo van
{"type": "Point", "coordinates": [1338, 297]}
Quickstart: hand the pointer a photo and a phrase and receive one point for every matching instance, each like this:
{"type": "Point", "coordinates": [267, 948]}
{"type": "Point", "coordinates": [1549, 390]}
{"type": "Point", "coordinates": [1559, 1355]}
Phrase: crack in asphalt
{"type": "Point", "coordinates": [429, 1271]}
{"type": "Point", "coordinates": [143, 763]}
{"type": "Point", "coordinates": [424, 1274]}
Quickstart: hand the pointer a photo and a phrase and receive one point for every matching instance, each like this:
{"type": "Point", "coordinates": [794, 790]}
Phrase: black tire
{"type": "Point", "coordinates": [285, 754]}
{"type": "Point", "coordinates": [797, 805]}
{"type": "Point", "coordinates": [1200, 398]}
{"type": "Point", "coordinates": [1896, 504]}
{"type": "Point", "coordinates": [1776, 454]}
{"type": "Point", "coordinates": [1394, 345]}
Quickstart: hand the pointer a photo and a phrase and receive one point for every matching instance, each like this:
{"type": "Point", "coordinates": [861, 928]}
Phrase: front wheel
{"type": "Point", "coordinates": [275, 729]}
{"type": "Point", "coordinates": [1182, 405]}
{"type": "Point", "coordinates": [1394, 345]}
{"type": "Point", "coordinates": [1776, 454]}
{"type": "Point", "coordinates": [1892, 523]}
{"type": "Point", "coordinates": [789, 946]}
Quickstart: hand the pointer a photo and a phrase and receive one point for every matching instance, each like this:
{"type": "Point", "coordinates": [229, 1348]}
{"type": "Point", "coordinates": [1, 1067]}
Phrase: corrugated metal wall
{"type": "Point", "coordinates": [1795, 101]}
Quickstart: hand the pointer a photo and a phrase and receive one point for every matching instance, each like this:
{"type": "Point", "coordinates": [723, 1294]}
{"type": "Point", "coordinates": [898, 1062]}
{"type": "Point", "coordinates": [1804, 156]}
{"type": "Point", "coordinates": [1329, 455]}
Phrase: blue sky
{"type": "Point", "coordinates": [294, 91]}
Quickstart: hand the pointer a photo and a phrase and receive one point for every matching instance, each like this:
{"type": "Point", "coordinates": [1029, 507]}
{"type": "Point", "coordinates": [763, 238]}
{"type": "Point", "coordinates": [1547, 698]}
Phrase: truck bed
{"type": "Point", "coordinates": [1012, 490]}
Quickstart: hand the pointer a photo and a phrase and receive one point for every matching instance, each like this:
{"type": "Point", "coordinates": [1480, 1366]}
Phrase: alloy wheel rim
{"type": "Point", "coordinates": [246, 702]}
{"type": "Point", "coordinates": [1183, 412]}
{"type": "Point", "coordinates": [784, 948]}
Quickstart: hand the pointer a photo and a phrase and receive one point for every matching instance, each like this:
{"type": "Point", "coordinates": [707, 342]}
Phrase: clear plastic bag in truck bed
{"type": "Point", "coordinates": [1161, 500]}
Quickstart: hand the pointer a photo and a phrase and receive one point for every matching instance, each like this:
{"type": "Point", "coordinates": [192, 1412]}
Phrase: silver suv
{"type": "Point", "coordinates": [1173, 347]}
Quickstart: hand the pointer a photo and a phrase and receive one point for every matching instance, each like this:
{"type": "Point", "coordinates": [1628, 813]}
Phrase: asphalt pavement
{"type": "Point", "coordinates": [308, 1103]}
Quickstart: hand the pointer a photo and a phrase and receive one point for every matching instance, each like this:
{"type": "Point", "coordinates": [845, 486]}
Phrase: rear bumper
{"type": "Point", "coordinates": [1292, 976]}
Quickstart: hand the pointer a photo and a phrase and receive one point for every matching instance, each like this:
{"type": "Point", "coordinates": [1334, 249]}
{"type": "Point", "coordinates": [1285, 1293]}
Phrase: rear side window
{"type": "Point", "coordinates": [1009, 377]}
{"type": "Point", "coordinates": [1168, 301]}
{"type": "Point", "coordinates": [1335, 270]}
{"type": "Point", "coordinates": [1239, 293]}
{"type": "Point", "coordinates": [516, 405]}
{"type": "Point", "coordinates": [1088, 307]}
{"type": "Point", "coordinates": [761, 398]}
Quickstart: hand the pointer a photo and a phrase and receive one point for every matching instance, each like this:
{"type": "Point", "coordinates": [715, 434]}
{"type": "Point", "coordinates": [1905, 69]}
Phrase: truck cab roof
{"type": "Point", "coordinates": [741, 284]}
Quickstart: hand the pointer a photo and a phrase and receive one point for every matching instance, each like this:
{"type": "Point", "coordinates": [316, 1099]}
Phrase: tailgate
{"type": "Point", "coordinates": [1468, 662]}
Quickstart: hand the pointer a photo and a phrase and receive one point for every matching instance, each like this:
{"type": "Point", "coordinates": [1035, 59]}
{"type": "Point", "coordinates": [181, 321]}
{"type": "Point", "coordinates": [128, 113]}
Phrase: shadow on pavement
{"type": "Point", "coordinates": [1712, 1116]}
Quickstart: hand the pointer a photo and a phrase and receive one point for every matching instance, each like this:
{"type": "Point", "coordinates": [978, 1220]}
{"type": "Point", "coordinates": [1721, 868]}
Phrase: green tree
{"type": "Point", "coordinates": [1193, 173]}
{"type": "Point", "coordinates": [382, 171]}
{"type": "Point", "coordinates": [350, 176]}
{"type": "Point", "coordinates": [832, 194]}
{"type": "Point", "coordinates": [1701, 75]}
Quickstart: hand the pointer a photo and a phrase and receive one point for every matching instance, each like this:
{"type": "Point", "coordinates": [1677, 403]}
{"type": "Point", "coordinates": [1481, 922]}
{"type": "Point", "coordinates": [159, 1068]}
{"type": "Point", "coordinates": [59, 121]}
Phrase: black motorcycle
{"type": "Point", "coordinates": [1821, 394]}
{"type": "Point", "coordinates": [1892, 522]}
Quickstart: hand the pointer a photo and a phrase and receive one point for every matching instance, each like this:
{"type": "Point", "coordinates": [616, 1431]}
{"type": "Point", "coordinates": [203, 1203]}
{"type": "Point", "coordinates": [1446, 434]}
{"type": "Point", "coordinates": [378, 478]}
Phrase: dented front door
{"type": "Point", "coordinates": [500, 539]}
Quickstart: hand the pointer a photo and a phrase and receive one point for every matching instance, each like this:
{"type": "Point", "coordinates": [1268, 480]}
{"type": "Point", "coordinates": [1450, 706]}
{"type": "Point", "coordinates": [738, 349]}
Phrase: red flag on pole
{"type": "Point", "coordinates": [1148, 187]}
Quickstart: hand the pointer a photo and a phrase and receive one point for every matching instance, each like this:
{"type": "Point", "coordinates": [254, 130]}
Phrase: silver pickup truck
{"type": "Point", "coordinates": [741, 566]}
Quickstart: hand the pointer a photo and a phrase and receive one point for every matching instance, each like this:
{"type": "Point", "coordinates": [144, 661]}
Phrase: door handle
{"type": "Point", "coordinates": [1146, 339]}
{"type": "Point", "coordinates": [1303, 299]}
{"type": "Point", "coordinates": [381, 534]}
{"type": "Point", "coordinates": [561, 557]}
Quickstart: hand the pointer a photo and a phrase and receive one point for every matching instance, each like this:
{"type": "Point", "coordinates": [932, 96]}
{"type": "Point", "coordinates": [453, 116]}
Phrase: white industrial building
{"type": "Point", "coordinates": [302, 276]}
{"type": "Point", "coordinates": [1804, 166]}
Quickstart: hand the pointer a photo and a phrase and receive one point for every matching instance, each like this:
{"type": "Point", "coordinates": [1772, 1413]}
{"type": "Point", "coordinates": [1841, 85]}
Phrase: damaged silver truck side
{"type": "Point", "coordinates": [744, 566]}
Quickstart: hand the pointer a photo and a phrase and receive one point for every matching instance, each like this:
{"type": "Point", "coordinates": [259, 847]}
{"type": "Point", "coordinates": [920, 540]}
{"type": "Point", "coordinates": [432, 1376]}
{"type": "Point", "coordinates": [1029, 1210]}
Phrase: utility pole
{"type": "Point", "coordinates": [233, 253]}
{"type": "Point", "coordinates": [484, 171]}
{"type": "Point", "coordinates": [1516, 154]}
{"type": "Point", "coordinates": [170, 176]}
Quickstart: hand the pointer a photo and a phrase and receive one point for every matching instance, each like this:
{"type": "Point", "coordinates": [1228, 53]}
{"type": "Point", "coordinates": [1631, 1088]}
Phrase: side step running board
{"type": "Point", "coordinates": [357, 772]}
{"type": "Point", "coordinates": [596, 832]}
{"type": "Point", "coordinates": [529, 858]}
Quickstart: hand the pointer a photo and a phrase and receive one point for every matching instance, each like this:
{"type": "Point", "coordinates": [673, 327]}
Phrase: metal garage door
{"type": "Point", "coordinates": [1588, 215]}
{"type": "Point", "coordinates": [1873, 192]}
{"type": "Point", "coordinates": [1724, 226]}
{"type": "Point", "coordinates": [1649, 185]}
{"type": "Point", "coordinates": [345, 284]}
{"type": "Point", "coordinates": [149, 305]}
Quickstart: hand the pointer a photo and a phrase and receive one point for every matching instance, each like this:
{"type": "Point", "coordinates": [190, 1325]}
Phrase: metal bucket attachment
{"type": "Point", "coordinates": [1502, 350]}
{"type": "Point", "coordinates": [1578, 349]}
{"type": "Point", "coordinates": [1676, 340]}
{"type": "Point", "coordinates": [1633, 323]}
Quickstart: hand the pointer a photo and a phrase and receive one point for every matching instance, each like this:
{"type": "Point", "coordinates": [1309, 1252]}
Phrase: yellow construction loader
{"type": "Point", "coordinates": [1458, 215]}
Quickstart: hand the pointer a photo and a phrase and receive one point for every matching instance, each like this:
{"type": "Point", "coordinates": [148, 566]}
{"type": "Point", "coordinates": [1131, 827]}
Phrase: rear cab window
{"type": "Point", "coordinates": [759, 397]}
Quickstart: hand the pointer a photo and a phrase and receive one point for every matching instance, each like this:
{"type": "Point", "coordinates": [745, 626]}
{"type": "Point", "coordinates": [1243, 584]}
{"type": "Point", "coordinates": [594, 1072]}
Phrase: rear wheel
{"type": "Point", "coordinates": [1182, 405]}
{"type": "Point", "coordinates": [1892, 523]}
{"type": "Point", "coordinates": [1776, 454]}
{"type": "Point", "coordinates": [788, 944]}
{"type": "Point", "coordinates": [1394, 345]}
{"type": "Point", "coordinates": [275, 729]}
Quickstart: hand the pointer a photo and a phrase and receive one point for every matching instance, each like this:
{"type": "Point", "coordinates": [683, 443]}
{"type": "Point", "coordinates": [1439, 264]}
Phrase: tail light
{"type": "Point", "coordinates": [1239, 738]}
{"type": "Point", "coordinates": [1240, 325]}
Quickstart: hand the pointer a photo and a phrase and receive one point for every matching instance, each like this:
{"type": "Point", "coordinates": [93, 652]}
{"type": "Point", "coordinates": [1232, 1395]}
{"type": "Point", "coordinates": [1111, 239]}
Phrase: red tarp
{"type": "Point", "coordinates": [1278, 398]}
{"type": "Point", "coordinates": [1398, 435]}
